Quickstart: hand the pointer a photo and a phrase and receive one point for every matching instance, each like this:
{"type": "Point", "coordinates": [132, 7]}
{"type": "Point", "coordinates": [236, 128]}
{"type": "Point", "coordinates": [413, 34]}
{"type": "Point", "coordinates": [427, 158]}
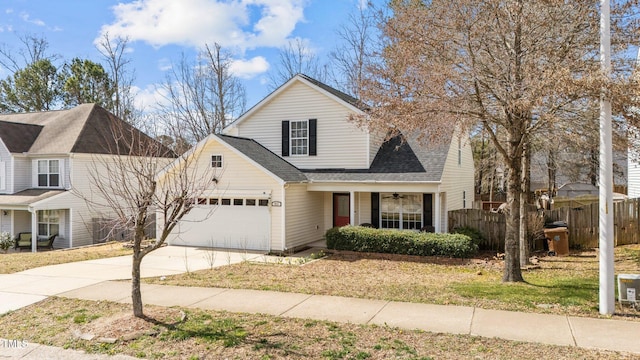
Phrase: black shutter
{"type": "Point", "coordinates": [313, 149]}
{"type": "Point", "coordinates": [427, 210]}
{"type": "Point", "coordinates": [285, 138]}
{"type": "Point", "coordinates": [375, 210]}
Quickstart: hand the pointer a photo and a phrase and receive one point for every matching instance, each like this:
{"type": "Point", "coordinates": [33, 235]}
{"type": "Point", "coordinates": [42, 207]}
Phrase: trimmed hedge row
{"type": "Point", "coordinates": [363, 239]}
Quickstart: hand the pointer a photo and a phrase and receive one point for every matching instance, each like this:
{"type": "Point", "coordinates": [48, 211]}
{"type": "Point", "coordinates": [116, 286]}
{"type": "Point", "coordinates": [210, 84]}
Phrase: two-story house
{"type": "Point", "coordinates": [294, 166]}
{"type": "Point", "coordinates": [47, 163]}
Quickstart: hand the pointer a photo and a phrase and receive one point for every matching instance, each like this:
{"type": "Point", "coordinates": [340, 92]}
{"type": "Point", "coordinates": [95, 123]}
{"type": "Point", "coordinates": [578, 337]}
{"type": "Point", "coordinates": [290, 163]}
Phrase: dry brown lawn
{"type": "Point", "coordinates": [565, 285]}
{"type": "Point", "coordinates": [20, 261]}
{"type": "Point", "coordinates": [561, 285]}
{"type": "Point", "coordinates": [172, 333]}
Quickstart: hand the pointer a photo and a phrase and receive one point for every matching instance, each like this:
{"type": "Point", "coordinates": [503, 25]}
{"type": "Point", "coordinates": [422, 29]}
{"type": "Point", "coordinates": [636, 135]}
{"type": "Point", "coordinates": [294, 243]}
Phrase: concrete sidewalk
{"type": "Point", "coordinates": [91, 280]}
{"type": "Point", "coordinates": [27, 287]}
{"type": "Point", "coordinates": [604, 334]}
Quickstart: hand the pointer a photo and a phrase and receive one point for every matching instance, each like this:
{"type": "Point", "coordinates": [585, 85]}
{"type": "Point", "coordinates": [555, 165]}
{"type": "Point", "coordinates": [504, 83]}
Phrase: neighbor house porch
{"type": "Point", "coordinates": [25, 213]}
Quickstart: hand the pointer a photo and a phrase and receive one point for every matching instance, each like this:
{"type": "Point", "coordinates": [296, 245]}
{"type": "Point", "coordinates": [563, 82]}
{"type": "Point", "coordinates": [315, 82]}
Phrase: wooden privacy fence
{"type": "Point", "coordinates": [108, 230]}
{"type": "Point", "coordinates": [491, 225]}
{"type": "Point", "coordinates": [582, 223]}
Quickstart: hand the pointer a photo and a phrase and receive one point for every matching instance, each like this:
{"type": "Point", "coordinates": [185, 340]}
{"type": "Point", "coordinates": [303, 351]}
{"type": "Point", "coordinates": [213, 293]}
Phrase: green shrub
{"type": "Point", "coordinates": [363, 239]}
{"type": "Point", "coordinates": [476, 236]}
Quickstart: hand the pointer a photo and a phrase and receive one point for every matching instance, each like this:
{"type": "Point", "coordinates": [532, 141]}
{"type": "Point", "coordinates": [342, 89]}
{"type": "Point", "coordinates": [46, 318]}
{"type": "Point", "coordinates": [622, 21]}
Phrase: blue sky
{"type": "Point", "coordinates": [161, 30]}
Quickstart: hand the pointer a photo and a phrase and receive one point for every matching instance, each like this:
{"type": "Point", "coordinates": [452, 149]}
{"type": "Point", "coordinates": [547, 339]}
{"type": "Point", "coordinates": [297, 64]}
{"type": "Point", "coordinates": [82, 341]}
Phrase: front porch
{"type": "Point", "coordinates": [24, 216]}
{"type": "Point", "coordinates": [384, 206]}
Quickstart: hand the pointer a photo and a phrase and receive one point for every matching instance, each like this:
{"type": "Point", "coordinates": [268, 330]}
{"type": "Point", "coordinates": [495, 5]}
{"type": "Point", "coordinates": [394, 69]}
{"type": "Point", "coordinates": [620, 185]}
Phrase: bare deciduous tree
{"type": "Point", "coordinates": [514, 66]}
{"type": "Point", "coordinates": [350, 58]}
{"type": "Point", "coordinates": [296, 58]}
{"type": "Point", "coordinates": [33, 49]}
{"type": "Point", "coordinates": [132, 183]}
{"type": "Point", "coordinates": [113, 51]}
{"type": "Point", "coordinates": [203, 96]}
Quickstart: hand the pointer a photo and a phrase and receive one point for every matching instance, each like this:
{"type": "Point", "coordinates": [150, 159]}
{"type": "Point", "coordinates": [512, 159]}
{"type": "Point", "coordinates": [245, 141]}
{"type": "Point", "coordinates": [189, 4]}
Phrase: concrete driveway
{"type": "Point", "coordinates": [30, 286]}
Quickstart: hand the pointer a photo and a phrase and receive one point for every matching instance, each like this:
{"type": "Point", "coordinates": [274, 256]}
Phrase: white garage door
{"type": "Point", "coordinates": [230, 223]}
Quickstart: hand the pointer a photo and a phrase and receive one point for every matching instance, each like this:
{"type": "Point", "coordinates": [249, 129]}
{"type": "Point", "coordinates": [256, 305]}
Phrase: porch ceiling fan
{"type": "Point", "coordinates": [394, 196]}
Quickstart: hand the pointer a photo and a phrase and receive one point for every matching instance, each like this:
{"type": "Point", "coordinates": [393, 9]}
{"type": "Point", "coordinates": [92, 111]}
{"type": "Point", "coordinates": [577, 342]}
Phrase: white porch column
{"type": "Point", "coordinates": [352, 208]}
{"type": "Point", "coordinates": [436, 212]}
{"type": "Point", "coordinates": [34, 230]}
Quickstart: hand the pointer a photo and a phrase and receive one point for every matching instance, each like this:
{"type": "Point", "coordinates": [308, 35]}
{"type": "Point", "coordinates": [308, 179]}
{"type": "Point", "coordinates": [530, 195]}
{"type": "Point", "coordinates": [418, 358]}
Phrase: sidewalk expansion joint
{"type": "Point", "coordinates": [296, 305]}
{"type": "Point", "coordinates": [473, 316]}
{"type": "Point", "coordinates": [377, 312]}
{"type": "Point", "coordinates": [573, 336]}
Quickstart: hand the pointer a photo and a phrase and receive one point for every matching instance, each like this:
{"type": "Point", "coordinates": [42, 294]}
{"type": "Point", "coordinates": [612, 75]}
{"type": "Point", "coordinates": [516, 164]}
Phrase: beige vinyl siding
{"type": "Point", "coordinates": [376, 140]}
{"type": "Point", "coordinates": [363, 208]}
{"type": "Point", "coordinates": [340, 143]}
{"type": "Point", "coordinates": [79, 171]}
{"type": "Point", "coordinates": [633, 165]}
{"type": "Point", "coordinates": [458, 178]}
{"type": "Point", "coordinates": [328, 210]}
{"type": "Point", "coordinates": [304, 211]}
{"type": "Point", "coordinates": [81, 168]}
{"type": "Point", "coordinates": [21, 174]}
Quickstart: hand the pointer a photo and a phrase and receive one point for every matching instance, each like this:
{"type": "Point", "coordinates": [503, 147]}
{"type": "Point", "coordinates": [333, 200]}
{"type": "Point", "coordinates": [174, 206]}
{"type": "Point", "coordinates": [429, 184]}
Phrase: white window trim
{"type": "Point", "coordinates": [59, 214]}
{"type": "Point", "coordinates": [401, 212]}
{"type": "Point", "coordinates": [221, 161]}
{"type": "Point", "coordinates": [291, 138]}
{"type": "Point", "coordinates": [61, 173]}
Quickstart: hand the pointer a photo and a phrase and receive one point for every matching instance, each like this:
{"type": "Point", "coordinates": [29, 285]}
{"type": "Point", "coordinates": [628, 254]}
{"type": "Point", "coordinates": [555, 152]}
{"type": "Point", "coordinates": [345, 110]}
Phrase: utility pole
{"type": "Point", "coordinates": [607, 277]}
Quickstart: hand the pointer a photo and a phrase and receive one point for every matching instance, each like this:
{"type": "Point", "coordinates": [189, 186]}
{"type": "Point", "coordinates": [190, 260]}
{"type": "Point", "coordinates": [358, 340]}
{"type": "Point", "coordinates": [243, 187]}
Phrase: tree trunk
{"type": "Point", "coordinates": [136, 294]}
{"type": "Point", "coordinates": [524, 200]}
{"type": "Point", "coordinates": [512, 271]}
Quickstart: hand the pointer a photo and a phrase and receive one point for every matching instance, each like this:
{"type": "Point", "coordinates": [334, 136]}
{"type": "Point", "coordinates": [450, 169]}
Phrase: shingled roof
{"type": "Point", "coordinates": [263, 156]}
{"type": "Point", "coordinates": [18, 138]}
{"type": "Point", "coordinates": [86, 128]}
{"type": "Point", "coordinates": [335, 92]}
{"type": "Point", "coordinates": [398, 159]}
{"type": "Point", "coordinates": [395, 161]}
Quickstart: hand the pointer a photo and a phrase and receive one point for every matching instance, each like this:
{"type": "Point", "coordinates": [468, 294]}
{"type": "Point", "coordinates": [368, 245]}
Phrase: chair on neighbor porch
{"type": "Point", "coordinates": [23, 241]}
{"type": "Point", "coordinates": [46, 243]}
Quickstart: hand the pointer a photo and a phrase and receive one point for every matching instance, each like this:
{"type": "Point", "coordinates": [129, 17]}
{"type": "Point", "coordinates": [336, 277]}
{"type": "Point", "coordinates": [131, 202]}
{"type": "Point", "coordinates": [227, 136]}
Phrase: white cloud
{"type": "Point", "coordinates": [27, 18]}
{"type": "Point", "coordinates": [164, 64]}
{"type": "Point", "coordinates": [196, 22]}
{"type": "Point", "coordinates": [149, 97]}
{"type": "Point", "coordinates": [247, 69]}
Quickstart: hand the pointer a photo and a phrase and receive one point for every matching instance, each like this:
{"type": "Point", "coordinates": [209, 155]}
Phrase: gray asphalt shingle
{"type": "Point", "coordinates": [263, 156]}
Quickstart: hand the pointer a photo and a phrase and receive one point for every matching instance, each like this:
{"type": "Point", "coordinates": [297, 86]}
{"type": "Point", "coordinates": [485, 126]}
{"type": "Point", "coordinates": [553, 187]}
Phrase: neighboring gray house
{"type": "Point", "coordinates": [46, 161]}
{"type": "Point", "coordinates": [294, 166]}
{"type": "Point", "coordinates": [573, 190]}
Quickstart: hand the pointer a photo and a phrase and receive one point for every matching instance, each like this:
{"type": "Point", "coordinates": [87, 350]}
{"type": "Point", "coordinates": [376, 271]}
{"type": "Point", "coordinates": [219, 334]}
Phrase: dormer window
{"type": "Point", "coordinates": [49, 173]}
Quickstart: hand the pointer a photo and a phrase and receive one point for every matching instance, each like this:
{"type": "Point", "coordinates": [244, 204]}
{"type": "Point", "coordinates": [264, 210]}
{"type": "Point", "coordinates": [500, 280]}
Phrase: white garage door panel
{"type": "Point", "coordinates": [233, 227]}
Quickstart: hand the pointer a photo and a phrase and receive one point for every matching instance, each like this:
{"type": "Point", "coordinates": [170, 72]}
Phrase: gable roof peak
{"type": "Point", "coordinates": [337, 95]}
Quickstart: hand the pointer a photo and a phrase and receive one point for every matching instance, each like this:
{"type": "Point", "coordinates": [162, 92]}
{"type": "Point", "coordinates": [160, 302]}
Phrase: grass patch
{"type": "Point", "coordinates": [222, 335]}
{"type": "Point", "coordinates": [20, 261]}
{"type": "Point", "coordinates": [566, 285]}
{"type": "Point", "coordinates": [564, 292]}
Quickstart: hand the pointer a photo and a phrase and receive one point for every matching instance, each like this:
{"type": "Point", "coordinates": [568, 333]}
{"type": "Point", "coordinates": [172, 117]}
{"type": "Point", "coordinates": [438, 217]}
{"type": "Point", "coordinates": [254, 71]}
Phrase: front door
{"type": "Point", "coordinates": [341, 210]}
